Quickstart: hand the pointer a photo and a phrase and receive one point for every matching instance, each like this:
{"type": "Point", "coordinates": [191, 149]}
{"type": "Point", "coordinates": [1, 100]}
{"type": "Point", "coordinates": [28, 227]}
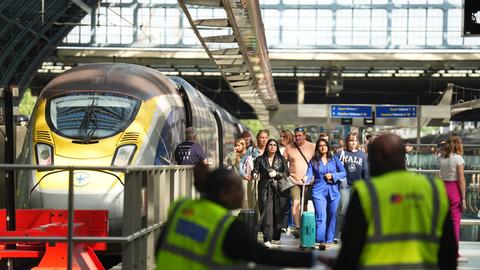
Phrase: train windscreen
{"type": "Point", "coordinates": [91, 115]}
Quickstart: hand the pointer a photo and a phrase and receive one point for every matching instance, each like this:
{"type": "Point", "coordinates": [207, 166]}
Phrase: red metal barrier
{"type": "Point", "coordinates": [50, 223]}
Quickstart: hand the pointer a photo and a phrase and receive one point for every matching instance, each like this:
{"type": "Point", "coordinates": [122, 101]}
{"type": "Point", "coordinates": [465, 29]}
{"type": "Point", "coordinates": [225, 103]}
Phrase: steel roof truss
{"type": "Point", "coordinates": [209, 3]}
{"type": "Point", "coordinates": [246, 69]}
{"type": "Point", "coordinates": [212, 22]}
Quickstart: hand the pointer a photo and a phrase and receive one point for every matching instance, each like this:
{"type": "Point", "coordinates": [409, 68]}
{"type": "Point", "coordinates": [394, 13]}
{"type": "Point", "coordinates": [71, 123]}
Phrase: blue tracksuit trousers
{"type": "Point", "coordinates": [325, 216]}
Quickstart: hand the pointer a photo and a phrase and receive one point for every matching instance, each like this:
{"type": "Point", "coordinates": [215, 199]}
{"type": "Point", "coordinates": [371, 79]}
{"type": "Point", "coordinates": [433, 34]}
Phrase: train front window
{"type": "Point", "coordinates": [87, 116]}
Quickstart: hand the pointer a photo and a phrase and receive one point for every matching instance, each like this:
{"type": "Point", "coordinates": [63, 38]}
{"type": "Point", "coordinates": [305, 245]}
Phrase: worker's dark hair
{"type": "Point", "coordinates": [213, 183]}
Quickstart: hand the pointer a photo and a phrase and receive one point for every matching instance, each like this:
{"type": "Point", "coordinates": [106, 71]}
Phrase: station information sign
{"type": "Point", "coordinates": [396, 111]}
{"type": "Point", "coordinates": [350, 111]}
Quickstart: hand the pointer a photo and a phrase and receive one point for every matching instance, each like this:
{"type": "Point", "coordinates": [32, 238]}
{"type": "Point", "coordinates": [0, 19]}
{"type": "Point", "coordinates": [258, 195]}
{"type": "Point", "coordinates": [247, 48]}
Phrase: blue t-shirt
{"type": "Point", "coordinates": [189, 153]}
{"type": "Point", "coordinates": [355, 164]}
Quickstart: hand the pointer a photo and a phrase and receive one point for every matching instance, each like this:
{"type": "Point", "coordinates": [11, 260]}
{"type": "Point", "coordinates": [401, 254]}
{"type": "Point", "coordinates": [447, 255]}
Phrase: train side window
{"type": "Point", "coordinates": [186, 104]}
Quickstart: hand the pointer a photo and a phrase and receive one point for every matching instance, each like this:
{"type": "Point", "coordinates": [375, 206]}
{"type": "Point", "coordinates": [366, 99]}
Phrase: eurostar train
{"type": "Point", "coordinates": [114, 114]}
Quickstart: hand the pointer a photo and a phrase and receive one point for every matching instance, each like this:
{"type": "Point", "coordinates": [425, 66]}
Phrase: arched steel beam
{"type": "Point", "coordinates": [28, 41]}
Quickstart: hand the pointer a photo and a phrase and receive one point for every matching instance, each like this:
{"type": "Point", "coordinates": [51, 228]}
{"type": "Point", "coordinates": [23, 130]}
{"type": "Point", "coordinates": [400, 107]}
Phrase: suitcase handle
{"type": "Point", "coordinates": [303, 198]}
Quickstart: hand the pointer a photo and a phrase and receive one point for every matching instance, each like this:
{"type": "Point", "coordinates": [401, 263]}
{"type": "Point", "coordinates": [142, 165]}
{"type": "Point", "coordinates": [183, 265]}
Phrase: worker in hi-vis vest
{"type": "Point", "coordinates": [398, 219]}
{"type": "Point", "coordinates": [201, 234]}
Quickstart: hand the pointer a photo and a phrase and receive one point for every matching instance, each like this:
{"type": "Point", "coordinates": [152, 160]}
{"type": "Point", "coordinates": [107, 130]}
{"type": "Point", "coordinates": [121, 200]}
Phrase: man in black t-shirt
{"type": "Point", "coordinates": [189, 152]}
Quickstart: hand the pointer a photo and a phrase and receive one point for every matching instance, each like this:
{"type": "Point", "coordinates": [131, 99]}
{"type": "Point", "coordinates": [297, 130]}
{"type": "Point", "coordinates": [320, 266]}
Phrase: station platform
{"type": "Point", "coordinates": [470, 250]}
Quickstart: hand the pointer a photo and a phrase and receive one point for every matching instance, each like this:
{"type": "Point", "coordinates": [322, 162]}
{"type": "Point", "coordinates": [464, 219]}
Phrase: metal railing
{"type": "Point", "coordinates": [154, 186]}
{"type": "Point", "coordinates": [424, 156]}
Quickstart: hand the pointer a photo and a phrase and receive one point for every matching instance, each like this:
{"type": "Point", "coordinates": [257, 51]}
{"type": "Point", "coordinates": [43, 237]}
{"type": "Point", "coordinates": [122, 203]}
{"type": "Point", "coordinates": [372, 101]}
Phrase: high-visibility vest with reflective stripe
{"type": "Point", "coordinates": [405, 213]}
{"type": "Point", "coordinates": [194, 236]}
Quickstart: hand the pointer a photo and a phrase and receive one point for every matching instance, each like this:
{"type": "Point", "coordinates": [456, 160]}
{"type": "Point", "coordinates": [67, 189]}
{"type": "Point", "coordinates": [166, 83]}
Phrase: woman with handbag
{"type": "Point", "coordinates": [273, 192]}
{"type": "Point", "coordinates": [326, 171]}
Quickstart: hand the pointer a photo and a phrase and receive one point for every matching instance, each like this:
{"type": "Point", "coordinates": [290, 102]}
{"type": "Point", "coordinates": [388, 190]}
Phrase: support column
{"type": "Point", "coordinates": [9, 93]}
{"type": "Point", "coordinates": [419, 123]}
{"type": "Point", "coordinates": [300, 92]}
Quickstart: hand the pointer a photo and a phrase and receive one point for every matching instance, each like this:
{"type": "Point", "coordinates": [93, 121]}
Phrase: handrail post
{"type": "Point", "coordinates": [127, 248]}
{"type": "Point", "coordinates": [70, 219]}
{"type": "Point", "coordinates": [142, 241]}
{"type": "Point", "coordinates": [132, 219]}
{"type": "Point", "coordinates": [153, 200]}
{"type": "Point", "coordinates": [10, 138]}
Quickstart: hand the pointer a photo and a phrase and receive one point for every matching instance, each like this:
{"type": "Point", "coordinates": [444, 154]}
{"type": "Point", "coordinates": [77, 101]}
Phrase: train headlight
{"type": "Point", "coordinates": [124, 154]}
{"type": "Point", "coordinates": [44, 153]}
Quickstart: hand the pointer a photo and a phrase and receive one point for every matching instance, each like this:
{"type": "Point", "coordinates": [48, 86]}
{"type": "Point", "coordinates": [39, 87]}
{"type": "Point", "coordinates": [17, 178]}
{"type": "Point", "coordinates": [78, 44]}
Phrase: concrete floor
{"type": "Point", "coordinates": [471, 250]}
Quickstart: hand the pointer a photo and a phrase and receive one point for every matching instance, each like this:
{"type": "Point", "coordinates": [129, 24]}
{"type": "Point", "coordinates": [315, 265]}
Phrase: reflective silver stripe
{"type": "Point", "coordinates": [378, 237]}
{"type": "Point", "coordinates": [419, 266]}
{"type": "Point", "coordinates": [436, 206]}
{"type": "Point", "coordinates": [375, 209]}
{"type": "Point", "coordinates": [216, 234]}
{"type": "Point", "coordinates": [165, 246]}
{"type": "Point", "coordinates": [187, 254]}
{"type": "Point", "coordinates": [169, 220]}
{"type": "Point", "coordinates": [207, 259]}
{"type": "Point", "coordinates": [403, 237]}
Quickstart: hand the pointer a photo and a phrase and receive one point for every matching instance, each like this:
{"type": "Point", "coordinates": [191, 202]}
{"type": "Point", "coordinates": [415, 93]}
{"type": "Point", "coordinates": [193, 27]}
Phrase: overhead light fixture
{"type": "Point", "coordinates": [334, 83]}
{"type": "Point", "coordinates": [307, 74]}
{"type": "Point", "coordinates": [353, 74]}
{"type": "Point", "coordinates": [407, 75]}
{"type": "Point", "coordinates": [379, 75]}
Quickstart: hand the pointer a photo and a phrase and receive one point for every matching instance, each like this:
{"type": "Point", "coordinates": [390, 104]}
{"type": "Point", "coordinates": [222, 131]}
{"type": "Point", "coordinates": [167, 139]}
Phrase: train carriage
{"type": "Point", "coordinates": [114, 114]}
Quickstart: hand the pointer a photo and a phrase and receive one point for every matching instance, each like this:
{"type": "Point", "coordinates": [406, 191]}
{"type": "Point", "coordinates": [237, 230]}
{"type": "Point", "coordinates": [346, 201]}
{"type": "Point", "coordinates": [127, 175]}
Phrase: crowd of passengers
{"type": "Point", "coordinates": [327, 173]}
{"type": "Point", "coordinates": [283, 168]}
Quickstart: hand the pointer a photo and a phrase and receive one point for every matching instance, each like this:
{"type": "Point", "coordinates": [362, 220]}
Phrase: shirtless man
{"type": "Point", "coordinates": [298, 169]}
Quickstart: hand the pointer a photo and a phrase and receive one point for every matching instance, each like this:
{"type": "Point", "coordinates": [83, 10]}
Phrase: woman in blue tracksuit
{"type": "Point", "coordinates": [326, 171]}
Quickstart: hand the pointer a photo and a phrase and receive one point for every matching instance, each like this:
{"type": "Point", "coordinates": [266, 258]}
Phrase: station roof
{"type": "Point", "coordinates": [30, 32]}
{"type": "Point", "coordinates": [369, 76]}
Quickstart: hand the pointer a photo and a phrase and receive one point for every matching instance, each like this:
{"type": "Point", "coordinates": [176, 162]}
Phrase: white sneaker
{"type": "Point", "coordinates": [268, 244]}
{"type": "Point", "coordinates": [462, 259]}
{"type": "Point", "coordinates": [276, 242]}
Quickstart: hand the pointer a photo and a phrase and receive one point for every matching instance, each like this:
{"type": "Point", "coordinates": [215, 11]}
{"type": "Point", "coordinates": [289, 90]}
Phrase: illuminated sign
{"type": "Point", "coordinates": [396, 111]}
{"type": "Point", "coordinates": [350, 111]}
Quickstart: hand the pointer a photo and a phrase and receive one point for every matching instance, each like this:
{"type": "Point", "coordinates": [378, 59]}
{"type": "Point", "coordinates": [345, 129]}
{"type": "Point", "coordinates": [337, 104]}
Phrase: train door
{"type": "Point", "coordinates": [186, 105]}
{"type": "Point", "coordinates": [238, 129]}
{"type": "Point", "coordinates": [220, 137]}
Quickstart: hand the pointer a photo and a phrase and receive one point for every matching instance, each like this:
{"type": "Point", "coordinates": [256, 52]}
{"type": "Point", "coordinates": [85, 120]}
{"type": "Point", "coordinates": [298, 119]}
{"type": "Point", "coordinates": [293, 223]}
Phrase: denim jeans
{"type": "Point", "coordinates": [342, 209]}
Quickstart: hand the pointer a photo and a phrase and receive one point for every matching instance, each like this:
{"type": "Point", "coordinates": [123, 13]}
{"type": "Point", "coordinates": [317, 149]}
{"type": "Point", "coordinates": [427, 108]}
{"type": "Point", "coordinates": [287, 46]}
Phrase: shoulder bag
{"type": "Point", "coordinates": [301, 153]}
{"type": "Point", "coordinates": [284, 183]}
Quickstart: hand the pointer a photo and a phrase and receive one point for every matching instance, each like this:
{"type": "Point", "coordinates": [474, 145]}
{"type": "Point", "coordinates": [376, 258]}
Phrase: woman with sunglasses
{"type": "Point", "coordinates": [271, 166]}
{"type": "Point", "coordinates": [325, 170]}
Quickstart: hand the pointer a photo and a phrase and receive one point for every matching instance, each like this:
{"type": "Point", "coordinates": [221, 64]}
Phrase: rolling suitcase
{"type": "Point", "coordinates": [250, 216]}
{"type": "Point", "coordinates": [307, 227]}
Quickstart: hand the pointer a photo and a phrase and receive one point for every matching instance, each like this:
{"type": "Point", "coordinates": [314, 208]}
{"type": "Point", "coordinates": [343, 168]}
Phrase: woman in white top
{"type": "Point", "coordinates": [451, 171]}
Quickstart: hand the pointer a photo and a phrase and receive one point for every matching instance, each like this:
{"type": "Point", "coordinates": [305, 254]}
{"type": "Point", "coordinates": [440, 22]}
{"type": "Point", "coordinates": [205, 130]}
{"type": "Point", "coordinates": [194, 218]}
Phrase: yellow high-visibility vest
{"type": "Point", "coordinates": [194, 236]}
{"type": "Point", "coordinates": [405, 213]}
